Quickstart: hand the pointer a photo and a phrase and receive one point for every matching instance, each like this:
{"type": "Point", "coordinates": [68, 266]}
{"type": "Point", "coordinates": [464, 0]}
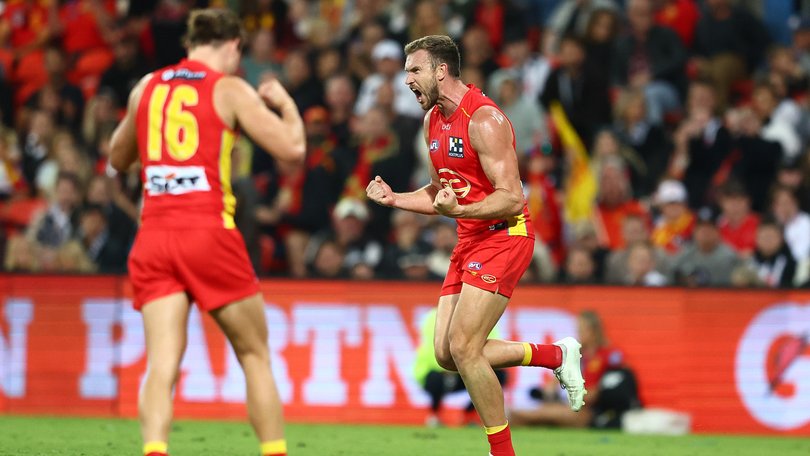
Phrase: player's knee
{"type": "Point", "coordinates": [444, 358]}
{"type": "Point", "coordinates": [463, 349]}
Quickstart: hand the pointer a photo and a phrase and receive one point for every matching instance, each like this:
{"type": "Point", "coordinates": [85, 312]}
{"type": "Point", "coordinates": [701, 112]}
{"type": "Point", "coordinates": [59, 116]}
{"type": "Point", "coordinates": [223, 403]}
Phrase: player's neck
{"type": "Point", "coordinates": [450, 97]}
{"type": "Point", "coordinates": [208, 56]}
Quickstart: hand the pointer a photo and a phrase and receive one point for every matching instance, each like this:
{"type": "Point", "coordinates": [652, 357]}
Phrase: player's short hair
{"type": "Point", "coordinates": [213, 26]}
{"type": "Point", "coordinates": [441, 48]}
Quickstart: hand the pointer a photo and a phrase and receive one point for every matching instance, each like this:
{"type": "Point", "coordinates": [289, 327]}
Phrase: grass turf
{"type": "Point", "coordinates": [115, 437]}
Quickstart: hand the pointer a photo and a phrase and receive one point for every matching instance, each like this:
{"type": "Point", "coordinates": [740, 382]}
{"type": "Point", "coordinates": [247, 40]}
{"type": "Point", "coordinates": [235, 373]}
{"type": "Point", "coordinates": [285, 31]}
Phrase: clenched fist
{"type": "Point", "coordinates": [273, 93]}
{"type": "Point", "coordinates": [446, 202]}
{"type": "Point", "coordinates": [380, 192]}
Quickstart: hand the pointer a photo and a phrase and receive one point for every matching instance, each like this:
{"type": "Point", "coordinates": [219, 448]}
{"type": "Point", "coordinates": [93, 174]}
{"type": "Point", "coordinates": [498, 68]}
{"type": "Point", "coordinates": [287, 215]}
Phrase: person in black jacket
{"type": "Point", "coordinates": [772, 261]}
{"type": "Point", "coordinates": [583, 94]}
{"type": "Point", "coordinates": [651, 58]}
{"type": "Point", "coordinates": [106, 252]}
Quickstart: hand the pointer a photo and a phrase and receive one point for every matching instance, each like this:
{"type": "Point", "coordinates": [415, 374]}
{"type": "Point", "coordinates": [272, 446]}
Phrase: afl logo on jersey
{"type": "Point", "coordinates": [434, 145]}
{"type": "Point", "coordinates": [454, 181]}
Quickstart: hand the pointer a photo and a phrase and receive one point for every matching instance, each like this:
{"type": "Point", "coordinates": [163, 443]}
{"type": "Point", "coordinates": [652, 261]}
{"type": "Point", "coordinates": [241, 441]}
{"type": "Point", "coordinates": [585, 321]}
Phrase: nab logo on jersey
{"type": "Point", "coordinates": [456, 149]}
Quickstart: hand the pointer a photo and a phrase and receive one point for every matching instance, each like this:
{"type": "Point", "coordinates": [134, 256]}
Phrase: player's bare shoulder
{"type": "Point", "coordinates": [229, 93]}
{"type": "Point", "coordinates": [489, 128]}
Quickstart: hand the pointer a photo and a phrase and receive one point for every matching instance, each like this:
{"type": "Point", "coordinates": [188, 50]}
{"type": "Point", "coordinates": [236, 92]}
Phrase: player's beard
{"type": "Point", "coordinates": [431, 95]}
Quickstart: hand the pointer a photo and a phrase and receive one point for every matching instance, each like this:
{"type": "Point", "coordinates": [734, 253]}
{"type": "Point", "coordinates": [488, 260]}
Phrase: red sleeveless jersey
{"type": "Point", "coordinates": [185, 149]}
{"type": "Point", "coordinates": [458, 167]}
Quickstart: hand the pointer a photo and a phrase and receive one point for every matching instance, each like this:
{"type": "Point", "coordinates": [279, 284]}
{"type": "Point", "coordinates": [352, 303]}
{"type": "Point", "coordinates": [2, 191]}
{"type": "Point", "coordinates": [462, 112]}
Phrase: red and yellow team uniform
{"type": "Point", "coordinates": [595, 364]}
{"type": "Point", "coordinates": [188, 240]}
{"type": "Point", "coordinates": [490, 254]}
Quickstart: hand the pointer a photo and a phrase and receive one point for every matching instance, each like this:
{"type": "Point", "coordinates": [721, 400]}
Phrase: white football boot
{"type": "Point", "coordinates": [569, 373]}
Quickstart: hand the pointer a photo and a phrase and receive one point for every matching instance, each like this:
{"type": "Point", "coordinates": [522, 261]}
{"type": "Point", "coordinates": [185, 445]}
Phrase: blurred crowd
{"type": "Point", "coordinates": [661, 142]}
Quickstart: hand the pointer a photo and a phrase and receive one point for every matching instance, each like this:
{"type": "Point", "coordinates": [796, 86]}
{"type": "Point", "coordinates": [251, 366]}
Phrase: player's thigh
{"type": "Point", "coordinates": [441, 342]}
{"type": "Point", "coordinates": [244, 324]}
{"type": "Point", "coordinates": [165, 320]}
{"type": "Point", "coordinates": [475, 314]}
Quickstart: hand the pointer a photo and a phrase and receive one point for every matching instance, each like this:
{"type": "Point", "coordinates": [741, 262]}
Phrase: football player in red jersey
{"type": "Point", "coordinates": [474, 179]}
{"type": "Point", "coordinates": [181, 123]}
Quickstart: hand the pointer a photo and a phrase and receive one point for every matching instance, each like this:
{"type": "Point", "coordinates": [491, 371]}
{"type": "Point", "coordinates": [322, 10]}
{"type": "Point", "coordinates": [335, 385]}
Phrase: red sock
{"type": "Point", "coordinates": [500, 443]}
{"type": "Point", "coordinates": [545, 355]}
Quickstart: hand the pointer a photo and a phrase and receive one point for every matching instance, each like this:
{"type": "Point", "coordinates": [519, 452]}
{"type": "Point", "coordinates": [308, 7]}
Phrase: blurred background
{"type": "Point", "coordinates": [661, 143]}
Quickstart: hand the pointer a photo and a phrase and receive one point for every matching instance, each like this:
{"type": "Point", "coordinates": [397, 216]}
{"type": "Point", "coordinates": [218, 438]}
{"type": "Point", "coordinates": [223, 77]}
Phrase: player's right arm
{"type": "Point", "coordinates": [282, 135]}
{"type": "Point", "coordinates": [420, 201]}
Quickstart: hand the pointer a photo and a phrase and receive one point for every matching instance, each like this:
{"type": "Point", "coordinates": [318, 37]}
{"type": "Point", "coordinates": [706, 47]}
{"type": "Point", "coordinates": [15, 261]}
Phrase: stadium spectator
{"type": "Point", "coordinates": [801, 45]}
{"type": "Point", "coordinates": [635, 229]}
{"type": "Point", "coordinates": [21, 255]}
{"type": "Point", "coordinates": [615, 202]}
{"type": "Point", "coordinates": [579, 267]}
{"type": "Point", "coordinates": [532, 70]}
{"type": "Point", "coordinates": [121, 214]}
{"type": "Point", "coordinates": [701, 143]}
{"type": "Point", "coordinates": [600, 39]}
{"type": "Point", "coordinates": [105, 251]}
{"type": "Point", "coordinates": [11, 178]}
{"type": "Point", "coordinates": [444, 239]}
{"type": "Point", "coordinates": [586, 237]}
{"type": "Point", "coordinates": [300, 81]}
{"type": "Point", "coordinates": [676, 222]}
{"type": "Point", "coordinates": [340, 97]}
{"type": "Point", "coordinates": [260, 60]}
{"type": "Point", "coordinates": [388, 63]}
{"type": "Point", "coordinates": [729, 43]}
{"type": "Point", "coordinates": [771, 260]}
{"type": "Point", "coordinates": [775, 126]}
{"type": "Point", "coordinates": [426, 19]}
{"type": "Point", "coordinates": [582, 94]}
{"type": "Point", "coordinates": [361, 254]}
{"type": "Point", "coordinates": [127, 69]}
{"type": "Point", "coordinates": [571, 18]}
{"type": "Point", "coordinates": [796, 223]}
{"type": "Point", "coordinates": [406, 257]}
{"type": "Point", "coordinates": [641, 268]}
{"type": "Point", "coordinates": [528, 120]}
{"type": "Point", "coordinates": [649, 149]}
{"type": "Point", "coordinates": [738, 225]}
{"type": "Point", "coordinates": [707, 260]}
{"type": "Point", "coordinates": [754, 160]}
{"type": "Point", "coordinates": [64, 101]}
{"type": "Point", "coordinates": [541, 199]}
{"type": "Point", "coordinates": [477, 51]}
{"type": "Point", "coordinates": [85, 25]}
{"type": "Point", "coordinates": [25, 26]}
{"type": "Point", "coordinates": [651, 58]}
{"type": "Point", "coordinates": [681, 16]}
{"type": "Point", "coordinates": [611, 385]}
{"type": "Point", "coordinates": [53, 227]}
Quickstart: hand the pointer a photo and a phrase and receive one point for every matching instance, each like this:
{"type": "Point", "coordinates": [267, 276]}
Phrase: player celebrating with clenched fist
{"type": "Point", "coordinates": [475, 179]}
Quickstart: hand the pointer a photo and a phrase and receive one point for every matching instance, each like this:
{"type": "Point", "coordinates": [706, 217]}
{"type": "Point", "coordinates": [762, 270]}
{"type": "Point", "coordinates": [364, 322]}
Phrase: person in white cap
{"type": "Point", "coordinates": [388, 64]}
{"type": "Point", "coordinates": [674, 226]}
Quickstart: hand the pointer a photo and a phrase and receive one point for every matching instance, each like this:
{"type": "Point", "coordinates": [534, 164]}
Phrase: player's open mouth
{"type": "Point", "coordinates": [418, 94]}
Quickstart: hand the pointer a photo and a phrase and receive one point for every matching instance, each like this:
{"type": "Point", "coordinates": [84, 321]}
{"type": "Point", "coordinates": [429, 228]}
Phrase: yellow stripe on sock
{"type": "Point", "coordinates": [152, 447]}
{"type": "Point", "coordinates": [527, 354]}
{"type": "Point", "coordinates": [274, 447]}
{"type": "Point", "coordinates": [496, 429]}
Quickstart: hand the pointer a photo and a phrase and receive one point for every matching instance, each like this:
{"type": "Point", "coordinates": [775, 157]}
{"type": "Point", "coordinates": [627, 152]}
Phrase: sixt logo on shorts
{"type": "Point", "coordinates": [175, 180]}
{"type": "Point", "coordinates": [182, 73]}
{"type": "Point", "coordinates": [474, 266]}
{"type": "Point", "coordinates": [434, 145]}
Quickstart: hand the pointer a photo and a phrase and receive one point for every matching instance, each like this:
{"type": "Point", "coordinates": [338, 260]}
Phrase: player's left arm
{"type": "Point", "coordinates": [124, 141]}
{"type": "Point", "coordinates": [491, 137]}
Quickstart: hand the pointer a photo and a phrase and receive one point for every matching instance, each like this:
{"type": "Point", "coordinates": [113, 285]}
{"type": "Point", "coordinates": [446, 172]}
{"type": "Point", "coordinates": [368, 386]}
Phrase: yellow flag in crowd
{"type": "Point", "coordinates": [580, 184]}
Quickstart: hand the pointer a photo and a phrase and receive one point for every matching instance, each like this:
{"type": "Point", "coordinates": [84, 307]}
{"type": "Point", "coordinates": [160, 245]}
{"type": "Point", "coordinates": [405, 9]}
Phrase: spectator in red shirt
{"type": "Point", "coordinates": [24, 25]}
{"type": "Point", "coordinates": [738, 225]}
{"type": "Point", "coordinates": [615, 203]}
{"type": "Point", "coordinates": [86, 24]}
{"type": "Point", "coordinates": [674, 226]}
{"type": "Point", "coordinates": [681, 16]}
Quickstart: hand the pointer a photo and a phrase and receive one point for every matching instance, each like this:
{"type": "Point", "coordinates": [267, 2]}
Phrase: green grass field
{"type": "Point", "coordinates": [113, 437]}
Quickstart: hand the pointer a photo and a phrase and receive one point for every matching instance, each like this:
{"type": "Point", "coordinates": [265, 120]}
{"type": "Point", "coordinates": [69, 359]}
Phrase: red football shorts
{"type": "Point", "coordinates": [494, 263]}
{"type": "Point", "coordinates": [210, 265]}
